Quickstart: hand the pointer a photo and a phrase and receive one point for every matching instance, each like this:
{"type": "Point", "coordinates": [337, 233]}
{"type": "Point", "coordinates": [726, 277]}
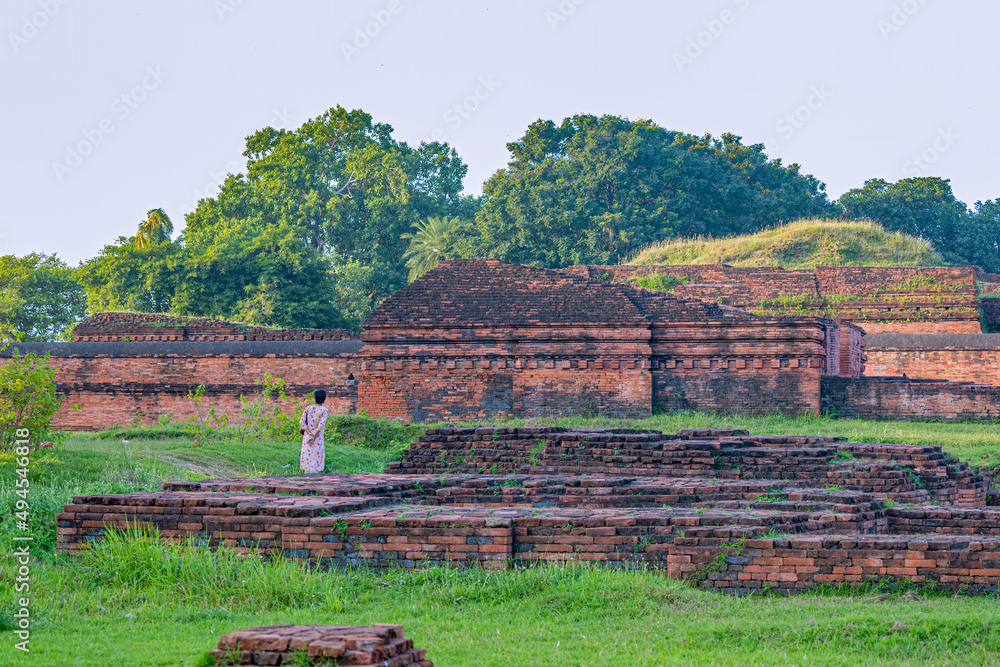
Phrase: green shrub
{"type": "Point", "coordinates": [28, 398]}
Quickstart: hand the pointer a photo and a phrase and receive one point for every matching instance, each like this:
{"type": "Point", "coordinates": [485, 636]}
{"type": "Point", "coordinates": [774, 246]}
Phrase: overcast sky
{"type": "Point", "coordinates": [112, 108]}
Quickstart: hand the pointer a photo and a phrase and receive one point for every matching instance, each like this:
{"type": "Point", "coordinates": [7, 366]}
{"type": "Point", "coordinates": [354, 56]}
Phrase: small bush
{"type": "Point", "coordinates": [28, 398]}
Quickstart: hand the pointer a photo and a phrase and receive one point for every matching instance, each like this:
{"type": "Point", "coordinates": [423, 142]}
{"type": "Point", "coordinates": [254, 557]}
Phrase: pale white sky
{"type": "Point", "coordinates": [112, 108]}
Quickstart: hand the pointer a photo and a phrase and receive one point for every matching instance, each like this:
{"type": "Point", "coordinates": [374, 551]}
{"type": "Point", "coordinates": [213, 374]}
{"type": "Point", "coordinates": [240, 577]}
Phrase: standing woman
{"type": "Point", "coordinates": [313, 423]}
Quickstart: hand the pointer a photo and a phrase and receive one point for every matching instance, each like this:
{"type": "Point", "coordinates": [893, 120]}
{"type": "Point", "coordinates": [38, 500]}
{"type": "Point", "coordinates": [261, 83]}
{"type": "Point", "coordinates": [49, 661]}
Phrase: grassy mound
{"type": "Point", "coordinates": [804, 244]}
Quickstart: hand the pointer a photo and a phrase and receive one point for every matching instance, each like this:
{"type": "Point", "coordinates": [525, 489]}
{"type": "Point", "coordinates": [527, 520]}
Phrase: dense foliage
{"type": "Point", "coordinates": [596, 190]}
{"type": "Point", "coordinates": [332, 217]}
{"type": "Point", "coordinates": [39, 298]}
{"type": "Point", "coordinates": [926, 207]}
{"type": "Point", "coordinates": [309, 236]}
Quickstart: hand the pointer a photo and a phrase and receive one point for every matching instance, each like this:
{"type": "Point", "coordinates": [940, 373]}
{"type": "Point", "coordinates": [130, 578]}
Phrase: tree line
{"type": "Point", "coordinates": [331, 218]}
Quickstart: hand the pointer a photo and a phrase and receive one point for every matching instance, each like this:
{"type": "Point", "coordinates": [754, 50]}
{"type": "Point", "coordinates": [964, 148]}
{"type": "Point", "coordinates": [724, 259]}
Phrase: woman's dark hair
{"type": "Point", "coordinates": [320, 396]}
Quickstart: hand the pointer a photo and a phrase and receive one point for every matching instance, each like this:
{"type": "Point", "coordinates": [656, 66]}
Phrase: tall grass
{"type": "Point", "coordinates": [133, 561]}
{"type": "Point", "coordinates": [804, 244]}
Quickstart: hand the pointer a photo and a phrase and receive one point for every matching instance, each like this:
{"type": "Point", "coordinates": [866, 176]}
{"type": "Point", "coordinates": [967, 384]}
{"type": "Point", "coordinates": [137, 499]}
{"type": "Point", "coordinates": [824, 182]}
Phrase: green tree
{"type": "Point", "coordinates": [346, 188]}
{"type": "Point", "coordinates": [125, 277]}
{"type": "Point", "coordinates": [924, 207]}
{"type": "Point", "coordinates": [257, 273]}
{"type": "Point", "coordinates": [39, 298]}
{"type": "Point", "coordinates": [429, 244]}
{"type": "Point", "coordinates": [982, 236]}
{"type": "Point", "coordinates": [596, 190]}
{"type": "Point", "coordinates": [154, 230]}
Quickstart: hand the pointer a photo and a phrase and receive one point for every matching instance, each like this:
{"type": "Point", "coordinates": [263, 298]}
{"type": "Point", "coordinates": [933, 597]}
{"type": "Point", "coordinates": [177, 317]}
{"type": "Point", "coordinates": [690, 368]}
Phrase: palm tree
{"type": "Point", "coordinates": [428, 244]}
{"type": "Point", "coordinates": [154, 230]}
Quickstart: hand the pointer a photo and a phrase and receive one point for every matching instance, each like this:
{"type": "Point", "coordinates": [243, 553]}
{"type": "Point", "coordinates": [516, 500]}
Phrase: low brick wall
{"type": "Point", "coordinates": [951, 563]}
{"type": "Point", "coordinates": [103, 384]}
{"type": "Point", "coordinates": [956, 357]}
{"type": "Point", "coordinates": [895, 398]}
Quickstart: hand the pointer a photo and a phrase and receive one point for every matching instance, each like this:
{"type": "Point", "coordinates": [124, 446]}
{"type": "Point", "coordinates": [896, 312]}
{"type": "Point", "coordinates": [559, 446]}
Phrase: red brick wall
{"type": "Point", "coordinates": [898, 398]}
{"type": "Point", "coordinates": [736, 366]}
{"type": "Point", "coordinates": [852, 351]}
{"type": "Point", "coordinates": [101, 391]}
{"type": "Point", "coordinates": [981, 366]}
{"type": "Point", "coordinates": [451, 385]}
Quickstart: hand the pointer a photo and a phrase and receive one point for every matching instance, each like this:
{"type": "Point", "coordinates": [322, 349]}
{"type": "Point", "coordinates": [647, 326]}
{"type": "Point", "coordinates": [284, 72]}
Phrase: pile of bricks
{"type": "Point", "coordinates": [379, 645]}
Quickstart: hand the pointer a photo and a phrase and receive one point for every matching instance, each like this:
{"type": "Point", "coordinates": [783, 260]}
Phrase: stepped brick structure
{"type": "Point", "coordinates": [880, 299]}
{"type": "Point", "coordinates": [380, 645]}
{"type": "Point", "coordinates": [720, 508]}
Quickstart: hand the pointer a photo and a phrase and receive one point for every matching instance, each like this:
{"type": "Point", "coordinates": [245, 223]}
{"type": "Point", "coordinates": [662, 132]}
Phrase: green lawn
{"type": "Point", "coordinates": [541, 616]}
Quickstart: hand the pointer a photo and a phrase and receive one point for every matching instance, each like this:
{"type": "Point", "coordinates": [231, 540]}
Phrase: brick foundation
{"type": "Point", "coordinates": [720, 508]}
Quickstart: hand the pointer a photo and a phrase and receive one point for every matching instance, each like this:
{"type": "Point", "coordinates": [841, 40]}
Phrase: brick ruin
{"type": "Point", "coordinates": [719, 508]}
{"type": "Point", "coordinates": [921, 322]}
{"type": "Point", "coordinates": [880, 299]}
{"type": "Point", "coordinates": [471, 340]}
{"type": "Point", "coordinates": [149, 327]}
{"type": "Point", "coordinates": [475, 339]}
{"type": "Point", "coordinates": [478, 339]}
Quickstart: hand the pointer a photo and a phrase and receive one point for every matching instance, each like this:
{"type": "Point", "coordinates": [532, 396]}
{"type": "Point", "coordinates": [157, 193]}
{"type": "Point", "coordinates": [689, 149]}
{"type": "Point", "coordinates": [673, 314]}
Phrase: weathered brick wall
{"type": "Point", "coordinates": [149, 327]}
{"type": "Point", "coordinates": [954, 357]}
{"type": "Point", "coordinates": [852, 350]}
{"type": "Point", "coordinates": [103, 384]}
{"type": "Point", "coordinates": [739, 365]}
{"type": "Point", "coordinates": [480, 381]}
{"type": "Point", "coordinates": [902, 398]}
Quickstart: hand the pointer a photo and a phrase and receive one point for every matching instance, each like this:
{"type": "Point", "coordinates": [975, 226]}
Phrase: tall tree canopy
{"type": "Point", "coordinates": [39, 298]}
{"type": "Point", "coordinates": [309, 236]}
{"type": "Point", "coordinates": [926, 207]}
{"type": "Point", "coordinates": [346, 186]}
{"type": "Point", "coordinates": [597, 189]}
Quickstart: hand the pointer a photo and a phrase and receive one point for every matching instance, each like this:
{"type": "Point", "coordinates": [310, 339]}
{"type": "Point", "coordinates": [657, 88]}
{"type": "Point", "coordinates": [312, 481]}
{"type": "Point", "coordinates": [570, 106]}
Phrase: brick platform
{"type": "Point", "coordinates": [720, 508]}
{"type": "Point", "coordinates": [378, 645]}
